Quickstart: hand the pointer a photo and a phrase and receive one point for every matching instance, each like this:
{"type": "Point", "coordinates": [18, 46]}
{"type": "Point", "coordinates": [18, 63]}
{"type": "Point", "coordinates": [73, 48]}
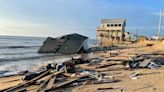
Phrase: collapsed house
{"type": "Point", "coordinates": [68, 44]}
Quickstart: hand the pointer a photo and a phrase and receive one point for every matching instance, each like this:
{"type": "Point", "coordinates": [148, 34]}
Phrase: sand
{"type": "Point", "coordinates": [149, 80]}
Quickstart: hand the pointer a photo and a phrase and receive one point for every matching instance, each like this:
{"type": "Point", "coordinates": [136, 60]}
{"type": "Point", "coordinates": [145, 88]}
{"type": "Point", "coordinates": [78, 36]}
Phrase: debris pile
{"type": "Point", "coordinates": [142, 62]}
{"type": "Point", "coordinates": [85, 71]}
{"type": "Point", "coordinates": [56, 76]}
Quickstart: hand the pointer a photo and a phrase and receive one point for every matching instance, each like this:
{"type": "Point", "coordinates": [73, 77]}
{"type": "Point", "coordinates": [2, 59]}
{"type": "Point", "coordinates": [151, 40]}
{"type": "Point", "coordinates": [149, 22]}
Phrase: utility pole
{"type": "Point", "coordinates": [136, 33]}
{"type": "Point", "coordinates": [159, 26]}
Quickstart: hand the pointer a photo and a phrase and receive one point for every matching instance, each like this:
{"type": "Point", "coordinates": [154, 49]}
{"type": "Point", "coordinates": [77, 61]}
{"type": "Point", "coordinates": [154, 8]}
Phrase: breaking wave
{"type": "Point", "coordinates": [17, 47]}
{"type": "Point", "coordinates": [25, 58]}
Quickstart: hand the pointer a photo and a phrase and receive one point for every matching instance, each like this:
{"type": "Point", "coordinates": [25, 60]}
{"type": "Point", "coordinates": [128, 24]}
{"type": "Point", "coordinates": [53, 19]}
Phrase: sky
{"type": "Point", "coordinates": [43, 18]}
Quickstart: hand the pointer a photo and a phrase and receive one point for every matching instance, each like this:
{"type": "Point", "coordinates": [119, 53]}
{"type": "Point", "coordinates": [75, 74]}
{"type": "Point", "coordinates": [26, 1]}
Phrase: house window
{"type": "Point", "coordinates": [118, 30]}
{"type": "Point", "coordinates": [111, 25]}
{"type": "Point", "coordinates": [119, 25]}
{"type": "Point", "coordinates": [115, 25]}
{"type": "Point", "coordinates": [108, 25]}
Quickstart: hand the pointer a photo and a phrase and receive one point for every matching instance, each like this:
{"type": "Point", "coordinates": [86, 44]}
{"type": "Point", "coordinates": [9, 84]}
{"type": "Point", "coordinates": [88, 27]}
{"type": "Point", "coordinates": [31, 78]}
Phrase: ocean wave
{"type": "Point", "coordinates": [17, 47]}
{"type": "Point", "coordinates": [26, 58]}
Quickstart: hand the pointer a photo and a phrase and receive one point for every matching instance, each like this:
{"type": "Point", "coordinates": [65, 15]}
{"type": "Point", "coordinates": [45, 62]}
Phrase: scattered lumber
{"type": "Point", "coordinates": [67, 70]}
{"type": "Point", "coordinates": [26, 83]}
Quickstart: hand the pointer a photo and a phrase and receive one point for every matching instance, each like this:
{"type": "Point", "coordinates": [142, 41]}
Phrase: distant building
{"type": "Point", "coordinates": [158, 37]}
{"type": "Point", "coordinates": [111, 32]}
{"type": "Point", "coordinates": [128, 36]}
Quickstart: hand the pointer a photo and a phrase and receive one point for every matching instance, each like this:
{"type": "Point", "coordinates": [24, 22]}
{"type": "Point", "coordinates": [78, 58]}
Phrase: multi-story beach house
{"type": "Point", "coordinates": [110, 32]}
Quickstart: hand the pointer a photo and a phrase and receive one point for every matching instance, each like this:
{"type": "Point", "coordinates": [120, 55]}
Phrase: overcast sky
{"type": "Point", "coordinates": [60, 17]}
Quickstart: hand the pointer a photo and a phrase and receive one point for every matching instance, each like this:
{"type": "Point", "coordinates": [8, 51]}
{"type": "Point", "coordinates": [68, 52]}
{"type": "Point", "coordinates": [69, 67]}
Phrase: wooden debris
{"type": "Point", "coordinates": [143, 87]}
{"type": "Point", "coordinates": [41, 87]}
{"type": "Point", "coordinates": [44, 83]}
{"type": "Point", "coordinates": [145, 63]}
{"type": "Point", "coordinates": [49, 79]}
{"type": "Point", "coordinates": [26, 83]}
{"type": "Point", "coordinates": [64, 83]}
{"type": "Point", "coordinates": [110, 88]}
{"type": "Point", "coordinates": [149, 45]}
{"type": "Point", "coordinates": [106, 81]}
{"type": "Point", "coordinates": [106, 65]}
{"type": "Point", "coordinates": [69, 65]}
{"type": "Point", "coordinates": [50, 83]}
{"type": "Point", "coordinates": [22, 90]}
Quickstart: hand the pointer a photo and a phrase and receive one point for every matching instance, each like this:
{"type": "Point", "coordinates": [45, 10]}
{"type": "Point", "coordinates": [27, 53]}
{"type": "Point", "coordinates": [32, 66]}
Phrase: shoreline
{"type": "Point", "coordinates": [149, 80]}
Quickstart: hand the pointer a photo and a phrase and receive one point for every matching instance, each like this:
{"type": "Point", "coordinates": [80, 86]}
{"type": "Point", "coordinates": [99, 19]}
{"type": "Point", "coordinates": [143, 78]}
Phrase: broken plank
{"type": "Point", "coordinates": [50, 83]}
{"type": "Point", "coordinates": [106, 81]}
{"type": "Point", "coordinates": [145, 62]}
{"type": "Point", "coordinates": [105, 88]}
{"type": "Point", "coordinates": [106, 65]}
{"type": "Point", "coordinates": [109, 88]}
{"type": "Point", "coordinates": [46, 80]}
{"type": "Point", "coordinates": [22, 90]}
{"type": "Point", "coordinates": [44, 83]}
{"type": "Point", "coordinates": [143, 87]}
{"type": "Point", "coordinates": [64, 83]}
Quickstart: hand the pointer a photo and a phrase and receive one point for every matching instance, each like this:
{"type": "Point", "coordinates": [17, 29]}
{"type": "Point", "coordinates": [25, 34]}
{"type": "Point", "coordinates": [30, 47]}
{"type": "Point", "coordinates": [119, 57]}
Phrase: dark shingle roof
{"type": "Point", "coordinates": [68, 44]}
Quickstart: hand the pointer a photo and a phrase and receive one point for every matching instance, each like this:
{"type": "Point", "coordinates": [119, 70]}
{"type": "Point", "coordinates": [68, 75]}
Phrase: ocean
{"type": "Point", "coordinates": [20, 53]}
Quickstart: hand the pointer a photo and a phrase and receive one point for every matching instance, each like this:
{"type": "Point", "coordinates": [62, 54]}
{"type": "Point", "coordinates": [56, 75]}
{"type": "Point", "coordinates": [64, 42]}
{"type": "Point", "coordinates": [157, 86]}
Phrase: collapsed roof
{"type": "Point", "coordinates": [68, 44]}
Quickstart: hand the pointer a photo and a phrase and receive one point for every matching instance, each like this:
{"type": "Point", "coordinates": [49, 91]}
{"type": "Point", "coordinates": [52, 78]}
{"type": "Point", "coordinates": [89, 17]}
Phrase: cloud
{"type": "Point", "coordinates": [57, 17]}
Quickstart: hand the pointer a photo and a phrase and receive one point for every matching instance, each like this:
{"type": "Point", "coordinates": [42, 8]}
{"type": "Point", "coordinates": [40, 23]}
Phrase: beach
{"type": "Point", "coordinates": [147, 80]}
